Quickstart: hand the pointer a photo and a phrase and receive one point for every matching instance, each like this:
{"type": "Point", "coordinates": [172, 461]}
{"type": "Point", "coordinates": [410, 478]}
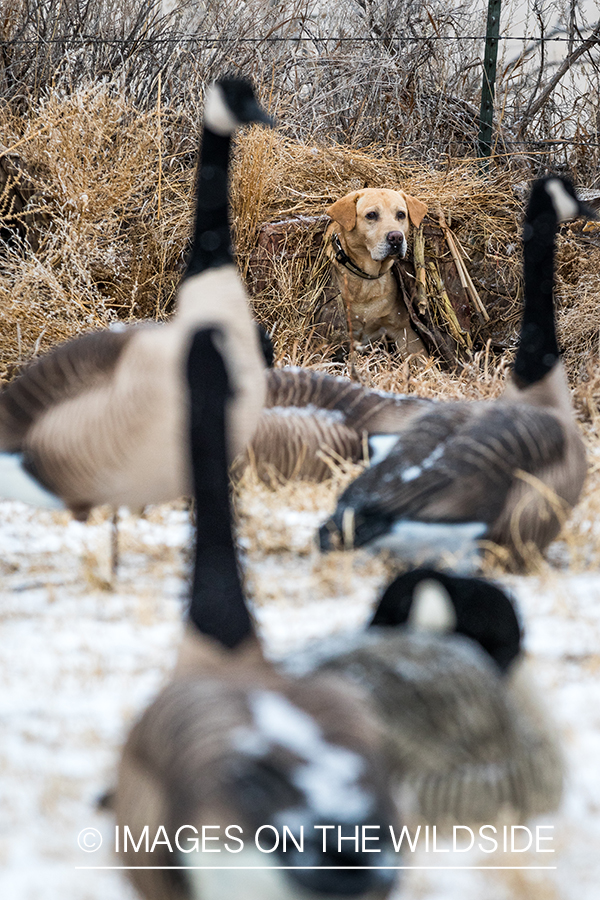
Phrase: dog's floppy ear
{"type": "Point", "coordinates": [343, 210]}
{"type": "Point", "coordinates": [416, 209]}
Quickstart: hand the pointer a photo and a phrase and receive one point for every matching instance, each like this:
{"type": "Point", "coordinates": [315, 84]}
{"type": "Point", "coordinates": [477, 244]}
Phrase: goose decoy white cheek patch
{"type": "Point", "coordinates": [566, 206]}
{"type": "Point", "coordinates": [217, 114]}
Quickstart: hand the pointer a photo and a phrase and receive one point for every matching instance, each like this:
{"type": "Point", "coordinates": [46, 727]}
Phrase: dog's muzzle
{"type": "Point", "coordinates": [397, 243]}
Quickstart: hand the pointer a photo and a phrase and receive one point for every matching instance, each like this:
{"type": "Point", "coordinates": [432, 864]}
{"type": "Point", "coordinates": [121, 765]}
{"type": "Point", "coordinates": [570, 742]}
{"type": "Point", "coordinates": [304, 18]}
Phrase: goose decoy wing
{"type": "Point", "coordinates": [452, 465]}
{"type": "Point", "coordinates": [362, 409]}
{"type": "Point", "coordinates": [457, 738]}
{"type": "Point", "coordinates": [311, 417]}
{"type": "Point", "coordinates": [73, 367]}
{"type": "Point", "coordinates": [289, 443]}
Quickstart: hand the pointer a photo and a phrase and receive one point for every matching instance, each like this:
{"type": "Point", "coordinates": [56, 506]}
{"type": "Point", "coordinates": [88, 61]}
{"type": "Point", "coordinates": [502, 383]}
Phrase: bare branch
{"type": "Point", "coordinates": [562, 70]}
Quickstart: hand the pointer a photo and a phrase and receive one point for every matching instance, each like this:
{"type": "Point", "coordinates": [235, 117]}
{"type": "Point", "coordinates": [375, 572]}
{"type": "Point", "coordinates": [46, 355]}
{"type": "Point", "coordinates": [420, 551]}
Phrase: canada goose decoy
{"type": "Point", "coordinates": [232, 742]}
{"type": "Point", "coordinates": [505, 471]}
{"type": "Point", "coordinates": [310, 416]}
{"type": "Point", "coordinates": [102, 418]}
{"type": "Point", "coordinates": [442, 662]}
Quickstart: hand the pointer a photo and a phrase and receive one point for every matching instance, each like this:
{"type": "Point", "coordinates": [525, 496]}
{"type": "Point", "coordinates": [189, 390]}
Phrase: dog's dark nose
{"type": "Point", "coordinates": [395, 238]}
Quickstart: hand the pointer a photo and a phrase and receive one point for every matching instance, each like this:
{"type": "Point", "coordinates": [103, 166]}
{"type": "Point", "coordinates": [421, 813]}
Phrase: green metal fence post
{"type": "Point", "coordinates": [488, 85]}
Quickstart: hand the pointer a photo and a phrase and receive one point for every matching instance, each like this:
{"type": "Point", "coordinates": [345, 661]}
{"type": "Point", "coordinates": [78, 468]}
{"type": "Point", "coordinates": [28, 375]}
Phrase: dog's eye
{"type": "Point", "coordinates": [400, 214]}
{"type": "Point", "coordinates": [372, 215]}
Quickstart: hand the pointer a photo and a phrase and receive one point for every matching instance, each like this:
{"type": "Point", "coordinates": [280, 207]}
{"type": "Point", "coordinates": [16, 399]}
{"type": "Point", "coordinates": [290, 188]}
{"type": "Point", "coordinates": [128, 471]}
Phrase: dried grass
{"type": "Point", "coordinates": [277, 526]}
{"type": "Point", "coordinates": [113, 248]}
{"type": "Point", "coordinates": [277, 178]}
{"type": "Point", "coordinates": [116, 185]}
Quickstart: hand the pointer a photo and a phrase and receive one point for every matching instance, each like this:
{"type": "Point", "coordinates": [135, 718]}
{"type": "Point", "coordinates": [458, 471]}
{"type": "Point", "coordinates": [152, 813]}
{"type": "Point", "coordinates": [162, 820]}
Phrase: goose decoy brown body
{"type": "Point", "coordinates": [506, 471]}
{"type": "Point", "coordinates": [443, 665]}
{"type": "Point", "coordinates": [232, 742]}
{"type": "Point", "coordinates": [310, 417]}
{"type": "Point", "coordinates": [102, 418]}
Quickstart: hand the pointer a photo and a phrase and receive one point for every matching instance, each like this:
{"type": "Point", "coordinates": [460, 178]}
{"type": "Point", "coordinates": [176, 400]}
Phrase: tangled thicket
{"type": "Point", "coordinates": [356, 72]}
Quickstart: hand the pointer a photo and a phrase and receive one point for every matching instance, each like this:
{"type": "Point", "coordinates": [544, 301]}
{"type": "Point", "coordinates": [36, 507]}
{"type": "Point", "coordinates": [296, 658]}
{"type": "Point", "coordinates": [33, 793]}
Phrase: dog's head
{"type": "Point", "coordinates": [377, 220]}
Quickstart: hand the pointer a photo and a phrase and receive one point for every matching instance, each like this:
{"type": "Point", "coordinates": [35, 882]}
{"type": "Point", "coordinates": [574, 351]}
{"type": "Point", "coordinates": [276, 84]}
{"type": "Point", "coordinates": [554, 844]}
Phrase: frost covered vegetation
{"type": "Point", "coordinates": [356, 71]}
{"type": "Point", "coordinates": [100, 107]}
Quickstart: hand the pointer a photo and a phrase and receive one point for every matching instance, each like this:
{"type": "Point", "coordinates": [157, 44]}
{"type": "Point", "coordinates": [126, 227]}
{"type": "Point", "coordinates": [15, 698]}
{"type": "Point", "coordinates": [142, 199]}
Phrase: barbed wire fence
{"type": "Point", "coordinates": [393, 74]}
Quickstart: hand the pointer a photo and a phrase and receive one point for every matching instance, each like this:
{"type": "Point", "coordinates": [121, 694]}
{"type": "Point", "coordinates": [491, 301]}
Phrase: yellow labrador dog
{"type": "Point", "coordinates": [368, 233]}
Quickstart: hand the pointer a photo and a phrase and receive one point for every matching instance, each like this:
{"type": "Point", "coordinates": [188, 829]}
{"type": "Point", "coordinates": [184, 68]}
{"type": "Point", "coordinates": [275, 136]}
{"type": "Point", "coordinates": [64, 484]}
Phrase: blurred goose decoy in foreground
{"type": "Point", "coordinates": [506, 471]}
{"type": "Point", "coordinates": [443, 665]}
{"type": "Point", "coordinates": [102, 418]}
{"type": "Point", "coordinates": [310, 418]}
{"type": "Point", "coordinates": [230, 741]}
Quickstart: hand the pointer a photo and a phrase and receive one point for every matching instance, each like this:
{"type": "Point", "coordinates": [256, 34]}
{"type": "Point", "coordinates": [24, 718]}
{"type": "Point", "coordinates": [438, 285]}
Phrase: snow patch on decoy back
{"type": "Point", "coordinates": [327, 774]}
{"type": "Point", "coordinates": [380, 445]}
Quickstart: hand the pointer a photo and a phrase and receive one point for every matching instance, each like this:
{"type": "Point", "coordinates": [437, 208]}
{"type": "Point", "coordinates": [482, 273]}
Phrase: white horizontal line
{"type": "Point", "coordinates": [285, 868]}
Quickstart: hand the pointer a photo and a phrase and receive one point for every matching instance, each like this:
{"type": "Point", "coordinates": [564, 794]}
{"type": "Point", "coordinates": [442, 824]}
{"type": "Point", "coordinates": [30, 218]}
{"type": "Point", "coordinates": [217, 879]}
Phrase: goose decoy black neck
{"type": "Point", "coordinates": [552, 201]}
{"type": "Point", "coordinates": [229, 104]}
{"type": "Point", "coordinates": [217, 607]}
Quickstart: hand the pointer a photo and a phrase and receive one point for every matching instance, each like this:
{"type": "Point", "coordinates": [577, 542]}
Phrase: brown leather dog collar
{"type": "Point", "coordinates": [344, 260]}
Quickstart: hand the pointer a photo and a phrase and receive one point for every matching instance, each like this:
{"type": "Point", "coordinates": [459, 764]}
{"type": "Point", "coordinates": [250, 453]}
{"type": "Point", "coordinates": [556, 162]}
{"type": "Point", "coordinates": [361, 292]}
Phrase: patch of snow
{"type": "Point", "coordinates": [79, 662]}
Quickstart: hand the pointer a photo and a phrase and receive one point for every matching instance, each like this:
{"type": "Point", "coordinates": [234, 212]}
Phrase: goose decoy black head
{"type": "Point", "coordinates": [473, 607]}
{"type": "Point", "coordinates": [231, 103]}
{"type": "Point", "coordinates": [556, 195]}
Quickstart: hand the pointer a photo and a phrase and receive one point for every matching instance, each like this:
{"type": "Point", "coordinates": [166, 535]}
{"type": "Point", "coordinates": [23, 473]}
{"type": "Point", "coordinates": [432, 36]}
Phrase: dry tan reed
{"type": "Point", "coordinates": [104, 253]}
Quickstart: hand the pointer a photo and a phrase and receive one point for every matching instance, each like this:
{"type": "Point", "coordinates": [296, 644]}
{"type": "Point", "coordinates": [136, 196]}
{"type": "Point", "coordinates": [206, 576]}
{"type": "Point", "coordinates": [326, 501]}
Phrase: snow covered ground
{"type": "Point", "coordinates": [78, 661]}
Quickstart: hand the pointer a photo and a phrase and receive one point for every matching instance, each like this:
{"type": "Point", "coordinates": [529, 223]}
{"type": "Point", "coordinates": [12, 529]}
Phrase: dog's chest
{"type": "Point", "coordinates": [365, 310]}
{"type": "Point", "coordinates": [371, 301]}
